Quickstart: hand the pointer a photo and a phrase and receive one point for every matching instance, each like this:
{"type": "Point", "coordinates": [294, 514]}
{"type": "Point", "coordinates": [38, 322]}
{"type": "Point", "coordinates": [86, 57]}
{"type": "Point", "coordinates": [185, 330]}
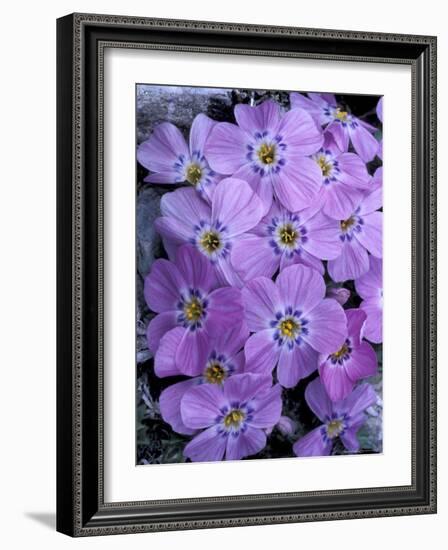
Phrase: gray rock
{"type": "Point", "coordinates": [371, 434]}
{"type": "Point", "coordinates": [148, 241]}
{"type": "Point", "coordinates": [148, 249]}
{"type": "Point", "coordinates": [176, 104]}
{"type": "Point", "coordinates": [143, 318]}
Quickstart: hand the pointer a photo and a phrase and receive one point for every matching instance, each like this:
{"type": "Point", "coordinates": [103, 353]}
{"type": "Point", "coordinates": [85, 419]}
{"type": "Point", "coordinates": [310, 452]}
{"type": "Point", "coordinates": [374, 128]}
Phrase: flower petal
{"type": "Point", "coordinates": [318, 400]}
{"type": "Point", "coordinates": [236, 206]}
{"type": "Point", "coordinates": [259, 118]}
{"type": "Point", "coordinates": [380, 149]}
{"type": "Point", "coordinates": [327, 326]}
{"type": "Point", "coordinates": [244, 387]}
{"type": "Point", "coordinates": [208, 446]}
{"type": "Point", "coordinates": [301, 287]}
{"type": "Point", "coordinates": [351, 264]}
{"type": "Point", "coordinates": [186, 207]}
{"type": "Point", "coordinates": [208, 186]}
{"type": "Point", "coordinates": [161, 151]}
{"type": "Point", "coordinates": [304, 259]}
{"type": "Point", "coordinates": [323, 99]}
{"type": "Point", "coordinates": [377, 178]}
{"type": "Point", "coordinates": [267, 408]}
{"type": "Point", "coordinates": [296, 364]}
{"type": "Point", "coordinates": [225, 310]}
{"type": "Point", "coordinates": [340, 200]}
{"type": "Point", "coordinates": [300, 132]}
{"type": "Point", "coordinates": [298, 183]}
{"type": "Point", "coordinates": [370, 284]}
{"type": "Point", "coordinates": [353, 171]}
{"type": "Point", "coordinates": [331, 145]}
{"type": "Point", "coordinates": [363, 142]}
{"type": "Point", "coordinates": [246, 443]}
{"type": "Point", "coordinates": [158, 326]}
{"type": "Point", "coordinates": [323, 237]}
{"type": "Point", "coordinates": [173, 233]}
{"type": "Point", "coordinates": [339, 134]}
{"type": "Point", "coordinates": [261, 302]}
{"type": "Point", "coordinates": [230, 341]}
{"type": "Point", "coordinates": [362, 362]}
{"type": "Point", "coordinates": [200, 406]}
{"type": "Point", "coordinates": [361, 398]}
{"type": "Point", "coordinates": [252, 256]}
{"type": "Point", "coordinates": [200, 130]}
{"type": "Point", "coordinates": [379, 109]}
{"type": "Point", "coordinates": [165, 358]}
{"type": "Point", "coordinates": [373, 329]}
{"type": "Point", "coordinates": [192, 352]}
{"type": "Point", "coordinates": [196, 270]}
{"type": "Point", "coordinates": [355, 321]}
{"type": "Point", "coordinates": [367, 126]}
{"type": "Point", "coordinates": [313, 444]}
{"type": "Point", "coordinates": [262, 185]}
{"type": "Point", "coordinates": [314, 108]}
{"type": "Point", "coordinates": [335, 379]}
{"type": "Point", "coordinates": [262, 352]}
{"type": "Point", "coordinates": [340, 294]}
{"type": "Point", "coordinates": [350, 439]}
{"type": "Point", "coordinates": [238, 361]}
{"type": "Point", "coordinates": [169, 402]}
{"type": "Point", "coordinates": [371, 234]}
{"type": "Point", "coordinates": [226, 148]}
{"type": "Point", "coordinates": [226, 274]}
{"type": "Point", "coordinates": [373, 201]}
{"type": "Point", "coordinates": [163, 286]}
{"type": "Point", "coordinates": [167, 176]}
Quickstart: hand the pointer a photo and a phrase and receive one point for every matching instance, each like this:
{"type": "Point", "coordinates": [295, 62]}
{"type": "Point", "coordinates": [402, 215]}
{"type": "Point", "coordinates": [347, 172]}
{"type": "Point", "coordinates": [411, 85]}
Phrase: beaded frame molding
{"type": "Point", "coordinates": [81, 40]}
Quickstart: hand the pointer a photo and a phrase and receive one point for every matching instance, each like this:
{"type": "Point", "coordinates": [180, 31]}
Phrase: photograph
{"type": "Point", "coordinates": [259, 292]}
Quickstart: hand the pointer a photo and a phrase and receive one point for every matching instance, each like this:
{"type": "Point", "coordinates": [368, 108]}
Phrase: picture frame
{"type": "Point", "coordinates": [81, 507]}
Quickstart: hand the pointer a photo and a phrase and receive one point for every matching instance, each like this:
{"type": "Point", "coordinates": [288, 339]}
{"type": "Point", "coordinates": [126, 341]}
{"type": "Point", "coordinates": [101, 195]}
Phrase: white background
{"type": "Point", "coordinates": [27, 229]}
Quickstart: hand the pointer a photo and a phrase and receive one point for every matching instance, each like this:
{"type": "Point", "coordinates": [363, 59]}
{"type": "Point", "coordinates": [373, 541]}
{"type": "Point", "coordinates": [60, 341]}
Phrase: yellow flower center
{"type": "Point", "coordinates": [340, 353]}
{"type": "Point", "coordinates": [324, 165]}
{"type": "Point", "coordinates": [266, 153]}
{"type": "Point", "coordinates": [214, 373]}
{"type": "Point", "coordinates": [210, 241]}
{"type": "Point", "coordinates": [194, 174]}
{"type": "Point", "coordinates": [288, 235]}
{"type": "Point", "coordinates": [234, 418]}
{"type": "Point", "coordinates": [346, 224]}
{"type": "Point", "coordinates": [193, 310]}
{"type": "Point", "coordinates": [341, 114]}
{"type": "Point", "coordinates": [334, 428]}
{"type": "Point", "coordinates": [289, 328]}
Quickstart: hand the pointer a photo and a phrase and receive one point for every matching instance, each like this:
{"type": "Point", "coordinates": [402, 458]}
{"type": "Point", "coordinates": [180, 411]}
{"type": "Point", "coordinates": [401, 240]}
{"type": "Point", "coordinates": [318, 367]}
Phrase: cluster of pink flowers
{"type": "Point", "coordinates": [271, 217]}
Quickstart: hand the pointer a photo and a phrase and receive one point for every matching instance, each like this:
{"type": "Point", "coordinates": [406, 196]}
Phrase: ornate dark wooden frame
{"type": "Point", "coordinates": [81, 39]}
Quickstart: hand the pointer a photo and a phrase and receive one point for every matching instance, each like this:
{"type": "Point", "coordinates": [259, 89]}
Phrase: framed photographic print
{"type": "Point", "coordinates": [246, 275]}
